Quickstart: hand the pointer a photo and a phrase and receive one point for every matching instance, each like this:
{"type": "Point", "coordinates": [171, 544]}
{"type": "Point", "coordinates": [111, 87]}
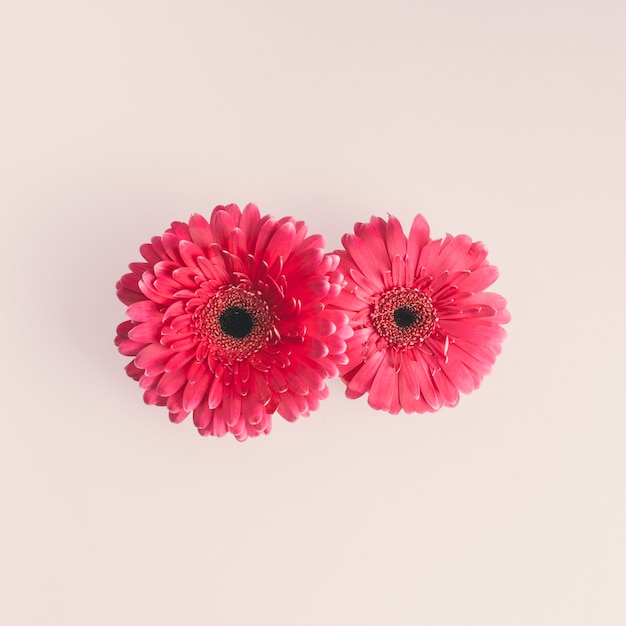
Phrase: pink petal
{"type": "Point", "coordinates": [449, 393]}
{"type": "Point", "coordinates": [195, 391]}
{"type": "Point", "coordinates": [300, 265]}
{"type": "Point", "coordinates": [311, 378]}
{"type": "Point", "coordinates": [409, 389]}
{"type": "Point", "coordinates": [479, 359]}
{"type": "Point", "coordinates": [474, 330]}
{"type": "Point", "coordinates": [202, 416]}
{"type": "Point", "coordinates": [222, 225]}
{"type": "Point", "coordinates": [427, 389]}
{"type": "Point", "coordinates": [261, 388]}
{"type": "Point", "coordinates": [335, 344]}
{"type": "Point", "coordinates": [231, 406]}
{"type": "Point", "coordinates": [189, 252]}
{"type": "Point", "coordinates": [200, 231]}
{"type": "Point", "coordinates": [321, 326]}
{"type": "Point", "coordinates": [244, 371]}
{"type": "Point", "coordinates": [128, 347]}
{"type": "Point", "coordinates": [144, 311]}
{"type": "Point", "coordinates": [145, 333]}
{"type": "Point", "coordinates": [288, 407]}
{"type": "Point", "coordinates": [153, 357]}
{"type": "Point", "coordinates": [396, 239]}
{"type": "Point", "coordinates": [384, 387]}
{"type": "Point", "coordinates": [452, 255]}
{"type": "Point", "coordinates": [419, 235]}
{"type": "Point", "coordinates": [215, 394]}
{"type": "Point", "coordinates": [180, 230]}
{"type": "Point", "coordinates": [218, 426]}
{"type": "Point", "coordinates": [266, 230]}
{"type": "Point", "coordinates": [276, 380]}
{"type": "Point", "coordinates": [362, 380]}
{"type": "Point", "coordinates": [281, 243]}
{"type": "Point", "coordinates": [171, 382]}
{"type": "Point", "coordinates": [315, 348]}
{"type": "Point", "coordinates": [241, 386]}
{"type": "Point", "coordinates": [347, 301]}
{"type": "Point", "coordinates": [178, 416]}
{"type": "Point", "coordinates": [253, 410]}
{"type": "Point", "coordinates": [249, 223]}
{"type": "Point", "coordinates": [237, 244]}
{"type": "Point", "coordinates": [374, 235]}
{"type": "Point", "coordinates": [295, 382]}
{"type": "Point", "coordinates": [427, 258]}
{"type": "Point", "coordinates": [479, 279]}
{"type": "Point", "coordinates": [170, 243]}
{"type": "Point", "coordinates": [398, 272]}
{"type": "Point", "coordinates": [215, 267]}
{"type": "Point", "coordinates": [148, 252]}
{"type": "Point", "coordinates": [362, 282]}
{"type": "Point", "coordinates": [359, 251]}
{"type": "Point", "coordinates": [312, 289]}
{"type": "Point", "coordinates": [459, 375]}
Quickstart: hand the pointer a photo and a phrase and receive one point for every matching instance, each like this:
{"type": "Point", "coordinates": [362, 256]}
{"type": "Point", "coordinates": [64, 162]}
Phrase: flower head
{"type": "Point", "coordinates": [229, 321]}
{"type": "Point", "coordinates": [424, 328]}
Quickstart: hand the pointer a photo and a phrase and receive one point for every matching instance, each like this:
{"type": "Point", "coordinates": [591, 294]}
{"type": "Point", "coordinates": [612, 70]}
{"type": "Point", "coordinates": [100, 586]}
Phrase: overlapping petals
{"type": "Point", "coordinates": [229, 321]}
{"type": "Point", "coordinates": [425, 329]}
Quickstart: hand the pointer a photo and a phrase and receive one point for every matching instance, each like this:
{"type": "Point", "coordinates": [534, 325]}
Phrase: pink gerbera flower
{"type": "Point", "coordinates": [229, 320]}
{"type": "Point", "coordinates": [424, 328]}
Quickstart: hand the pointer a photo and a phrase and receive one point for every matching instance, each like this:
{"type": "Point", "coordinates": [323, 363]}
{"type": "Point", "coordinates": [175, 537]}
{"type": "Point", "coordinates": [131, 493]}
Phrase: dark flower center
{"type": "Point", "coordinates": [236, 322]}
{"type": "Point", "coordinates": [404, 317]}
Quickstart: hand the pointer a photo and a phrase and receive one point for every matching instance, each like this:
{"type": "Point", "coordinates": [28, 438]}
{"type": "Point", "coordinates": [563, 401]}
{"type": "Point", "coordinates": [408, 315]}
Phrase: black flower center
{"type": "Point", "coordinates": [236, 322]}
{"type": "Point", "coordinates": [404, 317]}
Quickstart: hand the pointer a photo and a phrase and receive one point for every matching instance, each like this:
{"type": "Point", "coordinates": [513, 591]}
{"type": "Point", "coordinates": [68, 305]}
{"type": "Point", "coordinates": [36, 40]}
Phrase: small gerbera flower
{"type": "Point", "coordinates": [229, 320]}
{"type": "Point", "coordinates": [424, 328]}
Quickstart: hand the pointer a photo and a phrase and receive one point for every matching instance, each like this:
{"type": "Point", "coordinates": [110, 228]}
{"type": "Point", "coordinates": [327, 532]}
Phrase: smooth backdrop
{"type": "Point", "coordinates": [503, 120]}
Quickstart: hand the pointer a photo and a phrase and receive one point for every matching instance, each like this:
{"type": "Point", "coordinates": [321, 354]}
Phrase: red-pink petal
{"type": "Point", "coordinates": [171, 382]}
{"type": "Point", "coordinates": [475, 331]}
{"type": "Point", "coordinates": [479, 279]}
{"type": "Point", "coordinates": [152, 356]}
{"type": "Point", "coordinates": [215, 394]}
{"type": "Point", "coordinates": [384, 387]}
{"type": "Point", "coordinates": [222, 225]}
{"type": "Point", "coordinates": [359, 251]}
{"type": "Point", "coordinates": [249, 223]}
{"type": "Point", "coordinates": [281, 243]}
{"type": "Point", "coordinates": [145, 333]}
{"type": "Point", "coordinates": [200, 231]}
{"type": "Point", "coordinates": [362, 380]}
{"type": "Point", "coordinates": [202, 415]}
{"type": "Point", "coordinates": [396, 239]}
{"type": "Point", "coordinates": [195, 391]}
{"type": "Point", "coordinates": [419, 236]}
{"type": "Point", "coordinates": [425, 379]}
{"type": "Point", "coordinates": [144, 311]}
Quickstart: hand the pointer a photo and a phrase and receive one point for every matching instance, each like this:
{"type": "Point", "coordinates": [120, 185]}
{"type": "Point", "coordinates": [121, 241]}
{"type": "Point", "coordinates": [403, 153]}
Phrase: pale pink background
{"type": "Point", "coordinates": [503, 120]}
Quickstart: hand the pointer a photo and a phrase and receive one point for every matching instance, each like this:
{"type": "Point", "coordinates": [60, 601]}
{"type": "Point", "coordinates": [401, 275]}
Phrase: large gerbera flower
{"type": "Point", "coordinates": [229, 320]}
{"type": "Point", "coordinates": [424, 328]}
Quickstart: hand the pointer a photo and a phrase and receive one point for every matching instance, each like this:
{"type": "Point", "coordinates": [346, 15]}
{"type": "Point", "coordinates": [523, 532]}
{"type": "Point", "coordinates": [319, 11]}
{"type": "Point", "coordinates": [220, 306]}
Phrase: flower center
{"type": "Point", "coordinates": [404, 317]}
{"type": "Point", "coordinates": [234, 324]}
